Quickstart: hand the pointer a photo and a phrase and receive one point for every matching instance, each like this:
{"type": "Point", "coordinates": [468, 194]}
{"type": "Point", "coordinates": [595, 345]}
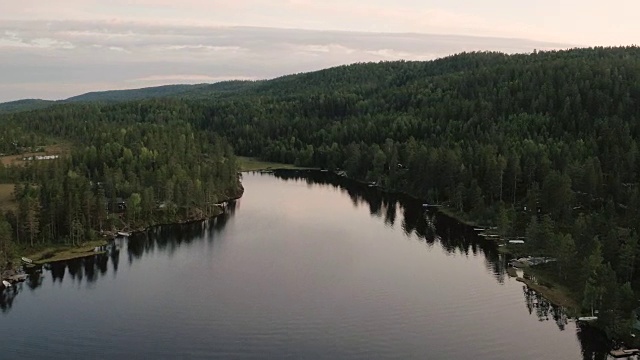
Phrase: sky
{"type": "Point", "coordinates": [57, 49]}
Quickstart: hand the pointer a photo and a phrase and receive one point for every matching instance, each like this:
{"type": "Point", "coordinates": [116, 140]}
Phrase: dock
{"type": "Point", "coordinates": [587, 318]}
{"type": "Point", "coordinates": [490, 236]}
{"type": "Point", "coordinates": [16, 278]}
{"type": "Point", "coordinates": [11, 277]}
{"type": "Point", "coordinates": [426, 205]}
{"type": "Point", "coordinates": [624, 352]}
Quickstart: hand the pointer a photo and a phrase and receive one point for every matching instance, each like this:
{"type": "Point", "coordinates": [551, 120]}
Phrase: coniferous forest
{"type": "Point", "coordinates": [121, 173]}
{"type": "Point", "coordinates": [542, 145]}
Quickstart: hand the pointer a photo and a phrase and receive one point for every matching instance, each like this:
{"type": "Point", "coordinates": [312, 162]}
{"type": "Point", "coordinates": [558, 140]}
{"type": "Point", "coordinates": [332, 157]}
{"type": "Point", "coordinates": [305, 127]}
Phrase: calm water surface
{"type": "Point", "coordinates": [299, 268]}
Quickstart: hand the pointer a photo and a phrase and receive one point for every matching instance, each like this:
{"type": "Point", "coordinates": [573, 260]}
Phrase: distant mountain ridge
{"type": "Point", "coordinates": [178, 90]}
{"type": "Point", "coordinates": [134, 94]}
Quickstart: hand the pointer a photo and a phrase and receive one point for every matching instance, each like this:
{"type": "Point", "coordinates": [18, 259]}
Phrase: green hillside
{"type": "Point", "coordinates": [199, 91]}
{"type": "Point", "coordinates": [23, 105]}
{"type": "Point", "coordinates": [543, 145]}
{"type": "Point", "coordinates": [135, 94]}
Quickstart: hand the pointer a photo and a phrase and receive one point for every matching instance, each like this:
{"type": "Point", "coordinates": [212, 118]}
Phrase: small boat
{"type": "Point", "coordinates": [26, 260]}
{"type": "Point", "coordinates": [516, 241]}
{"type": "Point", "coordinates": [623, 352]}
{"type": "Point", "coordinates": [123, 233]}
{"type": "Point", "coordinates": [6, 283]}
{"type": "Point", "coordinates": [588, 318]}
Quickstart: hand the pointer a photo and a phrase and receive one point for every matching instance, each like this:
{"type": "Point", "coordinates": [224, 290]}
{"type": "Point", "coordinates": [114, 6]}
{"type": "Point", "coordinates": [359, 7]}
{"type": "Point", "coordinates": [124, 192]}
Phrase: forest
{"type": "Point", "coordinates": [542, 145]}
{"type": "Point", "coordinates": [120, 173]}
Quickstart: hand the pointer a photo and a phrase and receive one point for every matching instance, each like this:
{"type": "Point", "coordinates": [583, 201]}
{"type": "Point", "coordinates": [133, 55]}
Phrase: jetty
{"type": "Point", "coordinates": [489, 236]}
{"type": "Point", "coordinates": [426, 205]}
{"type": "Point", "coordinates": [10, 277]}
{"type": "Point", "coordinates": [624, 352]}
{"type": "Point", "coordinates": [530, 261]}
{"type": "Point", "coordinates": [587, 318]}
{"type": "Point", "coordinates": [16, 278]}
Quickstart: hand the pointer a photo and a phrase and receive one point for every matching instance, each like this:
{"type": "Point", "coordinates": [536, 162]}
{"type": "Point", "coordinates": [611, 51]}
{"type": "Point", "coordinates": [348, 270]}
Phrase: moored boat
{"type": "Point", "coordinates": [123, 233]}
{"type": "Point", "coordinates": [623, 352]}
{"type": "Point", "coordinates": [6, 283]}
{"type": "Point", "coordinates": [588, 318]}
{"type": "Point", "coordinates": [26, 260]}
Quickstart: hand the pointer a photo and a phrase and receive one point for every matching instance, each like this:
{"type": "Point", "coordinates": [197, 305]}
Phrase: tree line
{"type": "Point", "coordinates": [544, 145]}
{"type": "Point", "coordinates": [120, 174]}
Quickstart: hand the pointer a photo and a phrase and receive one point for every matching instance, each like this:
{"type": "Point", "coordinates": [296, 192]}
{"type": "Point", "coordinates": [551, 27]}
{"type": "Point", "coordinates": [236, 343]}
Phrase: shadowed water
{"type": "Point", "coordinates": [304, 266]}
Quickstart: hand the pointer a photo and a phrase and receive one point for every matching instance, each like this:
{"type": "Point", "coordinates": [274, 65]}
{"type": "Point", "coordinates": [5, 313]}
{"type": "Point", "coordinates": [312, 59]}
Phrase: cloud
{"type": "Point", "coordinates": [578, 21]}
{"type": "Point", "coordinates": [68, 55]}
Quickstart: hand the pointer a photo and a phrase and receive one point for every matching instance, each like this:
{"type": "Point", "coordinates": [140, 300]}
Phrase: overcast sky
{"type": "Point", "coordinates": [56, 49]}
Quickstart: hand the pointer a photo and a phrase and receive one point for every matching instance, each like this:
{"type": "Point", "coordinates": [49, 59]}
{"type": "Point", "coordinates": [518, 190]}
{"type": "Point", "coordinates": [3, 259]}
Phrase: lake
{"type": "Point", "coordinates": [303, 266]}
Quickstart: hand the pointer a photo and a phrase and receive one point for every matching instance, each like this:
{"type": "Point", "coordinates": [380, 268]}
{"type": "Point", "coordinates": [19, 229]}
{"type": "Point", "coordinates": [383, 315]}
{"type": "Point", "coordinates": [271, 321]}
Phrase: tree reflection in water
{"type": "Point", "coordinates": [430, 227]}
{"type": "Point", "coordinates": [433, 227]}
{"type": "Point", "coordinates": [89, 269]}
{"type": "Point", "coordinates": [543, 309]}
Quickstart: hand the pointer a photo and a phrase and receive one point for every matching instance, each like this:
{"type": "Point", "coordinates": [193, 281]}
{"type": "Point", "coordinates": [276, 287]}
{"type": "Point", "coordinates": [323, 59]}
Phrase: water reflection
{"type": "Point", "coordinates": [395, 210]}
{"type": "Point", "coordinates": [430, 226]}
{"type": "Point", "coordinates": [454, 237]}
{"type": "Point", "coordinates": [543, 309]}
{"type": "Point", "coordinates": [89, 269]}
{"type": "Point", "coordinates": [7, 297]}
{"type": "Point", "coordinates": [594, 344]}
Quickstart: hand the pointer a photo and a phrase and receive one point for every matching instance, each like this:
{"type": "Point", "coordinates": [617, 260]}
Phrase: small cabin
{"type": "Point", "coordinates": [117, 205]}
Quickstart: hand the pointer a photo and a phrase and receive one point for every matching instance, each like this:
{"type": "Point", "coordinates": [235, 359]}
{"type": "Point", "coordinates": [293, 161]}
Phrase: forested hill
{"type": "Point", "coordinates": [25, 104]}
{"type": "Point", "coordinates": [113, 96]}
{"type": "Point", "coordinates": [544, 145]}
{"type": "Point", "coordinates": [135, 94]}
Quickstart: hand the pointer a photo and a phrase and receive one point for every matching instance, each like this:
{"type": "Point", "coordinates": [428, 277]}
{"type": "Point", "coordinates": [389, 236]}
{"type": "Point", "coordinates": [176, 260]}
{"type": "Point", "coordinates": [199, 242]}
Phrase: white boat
{"type": "Point", "coordinates": [6, 283]}
{"type": "Point", "coordinates": [123, 233]}
{"type": "Point", "coordinates": [516, 241]}
{"type": "Point", "coordinates": [27, 260]}
{"type": "Point", "coordinates": [588, 318]}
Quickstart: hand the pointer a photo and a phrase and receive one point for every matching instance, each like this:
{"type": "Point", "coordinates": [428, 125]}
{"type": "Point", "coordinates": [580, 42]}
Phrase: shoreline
{"type": "Point", "coordinates": [65, 252]}
{"type": "Point", "coordinates": [53, 253]}
{"type": "Point", "coordinates": [555, 293]}
{"type": "Point", "coordinates": [557, 297]}
{"type": "Point", "coordinates": [249, 164]}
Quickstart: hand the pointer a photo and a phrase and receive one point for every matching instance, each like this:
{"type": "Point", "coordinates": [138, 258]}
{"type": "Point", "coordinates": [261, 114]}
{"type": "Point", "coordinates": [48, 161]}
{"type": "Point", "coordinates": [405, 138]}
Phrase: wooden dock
{"type": "Point", "coordinates": [624, 352]}
{"type": "Point", "coordinates": [16, 278]}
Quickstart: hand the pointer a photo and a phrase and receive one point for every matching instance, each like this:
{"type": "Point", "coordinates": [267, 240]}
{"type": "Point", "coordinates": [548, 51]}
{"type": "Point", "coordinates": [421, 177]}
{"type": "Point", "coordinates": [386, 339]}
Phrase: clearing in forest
{"type": "Point", "coordinates": [7, 202]}
{"type": "Point", "coordinates": [49, 150]}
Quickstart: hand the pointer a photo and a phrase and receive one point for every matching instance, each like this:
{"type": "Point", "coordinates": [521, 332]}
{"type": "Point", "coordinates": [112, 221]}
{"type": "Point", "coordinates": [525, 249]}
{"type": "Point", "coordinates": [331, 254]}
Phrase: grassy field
{"type": "Point", "coordinates": [57, 149]}
{"type": "Point", "coordinates": [61, 253]}
{"type": "Point", "coordinates": [551, 290]}
{"type": "Point", "coordinates": [253, 164]}
{"type": "Point", "coordinates": [557, 296]}
{"type": "Point", "coordinates": [7, 202]}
